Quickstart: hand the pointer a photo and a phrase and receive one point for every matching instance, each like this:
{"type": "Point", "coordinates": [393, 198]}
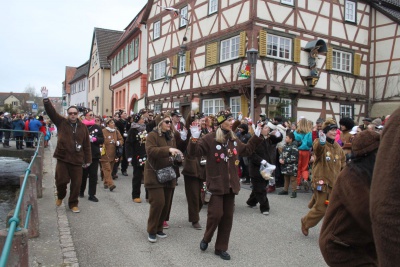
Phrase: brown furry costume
{"type": "Point", "coordinates": [385, 201]}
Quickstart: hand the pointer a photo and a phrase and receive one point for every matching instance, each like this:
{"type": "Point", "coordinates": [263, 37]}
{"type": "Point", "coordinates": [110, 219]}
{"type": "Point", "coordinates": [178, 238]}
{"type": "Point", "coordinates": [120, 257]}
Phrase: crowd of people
{"type": "Point", "coordinates": [216, 153]}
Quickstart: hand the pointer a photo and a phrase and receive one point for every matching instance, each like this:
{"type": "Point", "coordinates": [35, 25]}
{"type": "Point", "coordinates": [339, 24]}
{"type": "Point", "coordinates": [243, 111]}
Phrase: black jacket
{"type": "Point", "coordinates": [135, 146]}
{"type": "Point", "coordinates": [96, 131]}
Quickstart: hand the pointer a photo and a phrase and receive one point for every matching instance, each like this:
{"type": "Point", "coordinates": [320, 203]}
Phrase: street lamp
{"type": "Point", "coordinates": [252, 60]}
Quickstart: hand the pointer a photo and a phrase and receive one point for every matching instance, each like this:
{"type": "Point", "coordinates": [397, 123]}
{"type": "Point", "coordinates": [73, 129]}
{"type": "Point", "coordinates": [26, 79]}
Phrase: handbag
{"type": "Point", "coordinates": [165, 174]}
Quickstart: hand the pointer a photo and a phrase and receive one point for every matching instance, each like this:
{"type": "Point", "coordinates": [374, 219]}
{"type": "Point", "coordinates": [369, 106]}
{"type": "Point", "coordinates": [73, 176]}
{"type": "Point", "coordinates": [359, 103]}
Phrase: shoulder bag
{"type": "Point", "coordinates": [165, 174]}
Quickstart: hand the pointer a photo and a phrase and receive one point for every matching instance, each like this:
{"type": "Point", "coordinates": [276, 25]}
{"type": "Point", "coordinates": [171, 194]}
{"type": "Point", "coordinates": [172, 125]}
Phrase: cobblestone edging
{"type": "Point", "coordinates": [67, 244]}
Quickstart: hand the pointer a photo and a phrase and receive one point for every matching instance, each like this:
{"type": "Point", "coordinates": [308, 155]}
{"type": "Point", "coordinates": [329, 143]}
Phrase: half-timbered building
{"type": "Point", "coordinates": [129, 66]}
{"type": "Point", "coordinates": [316, 58]}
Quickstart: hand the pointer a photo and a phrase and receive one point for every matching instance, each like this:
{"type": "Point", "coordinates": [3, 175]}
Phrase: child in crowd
{"type": "Point", "coordinates": [289, 159]}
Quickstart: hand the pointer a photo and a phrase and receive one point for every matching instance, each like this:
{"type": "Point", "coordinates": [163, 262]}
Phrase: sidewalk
{"type": "Point", "coordinates": [54, 246]}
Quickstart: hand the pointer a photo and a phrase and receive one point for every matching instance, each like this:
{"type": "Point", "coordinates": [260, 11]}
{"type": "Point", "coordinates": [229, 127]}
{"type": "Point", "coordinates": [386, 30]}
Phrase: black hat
{"type": "Point", "coordinates": [199, 115]}
{"type": "Point", "coordinates": [143, 111]}
{"type": "Point", "coordinates": [223, 115]}
{"type": "Point", "coordinates": [137, 117]}
{"type": "Point", "coordinates": [367, 119]}
{"type": "Point", "coordinates": [176, 113]}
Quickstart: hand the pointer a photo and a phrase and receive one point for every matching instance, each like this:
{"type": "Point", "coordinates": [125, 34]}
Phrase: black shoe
{"type": "Point", "coordinates": [93, 198]}
{"type": "Point", "coordinates": [223, 254]}
{"type": "Point", "coordinates": [124, 173]}
{"type": "Point", "coordinates": [294, 195]}
{"type": "Point", "coordinates": [81, 195]}
{"type": "Point", "coordinates": [112, 188]}
{"type": "Point", "coordinates": [114, 176]}
{"type": "Point", "coordinates": [283, 192]}
{"type": "Point", "coordinates": [203, 245]}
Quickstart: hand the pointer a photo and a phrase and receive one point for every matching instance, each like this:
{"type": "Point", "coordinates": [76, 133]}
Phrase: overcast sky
{"type": "Point", "coordinates": [39, 38]}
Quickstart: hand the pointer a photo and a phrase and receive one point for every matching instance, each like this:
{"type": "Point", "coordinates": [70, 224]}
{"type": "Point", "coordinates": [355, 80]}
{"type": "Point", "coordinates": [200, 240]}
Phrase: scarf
{"type": "Point", "coordinates": [110, 129]}
{"type": "Point", "coordinates": [88, 123]}
{"type": "Point", "coordinates": [139, 127]}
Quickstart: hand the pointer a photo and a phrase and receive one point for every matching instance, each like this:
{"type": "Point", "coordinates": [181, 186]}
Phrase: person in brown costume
{"type": "Point", "coordinates": [221, 149]}
{"type": "Point", "coordinates": [72, 152]}
{"type": "Point", "coordinates": [329, 161]}
{"type": "Point", "coordinates": [346, 234]}
{"type": "Point", "coordinates": [384, 200]}
{"type": "Point", "coordinates": [112, 140]}
{"type": "Point", "coordinates": [160, 146]}
{"type": "Point", "coordinates": [194, 174]}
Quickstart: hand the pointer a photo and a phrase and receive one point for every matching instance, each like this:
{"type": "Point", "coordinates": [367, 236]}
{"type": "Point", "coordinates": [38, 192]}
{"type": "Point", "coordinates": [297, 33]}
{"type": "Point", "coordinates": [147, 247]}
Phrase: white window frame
{"type": "Point", "coordinates": [287, 110]}
{"type": "Point", "coordinates": [212, 106]}
{"type": "Point", "coordinates": [184, 16]}
{"type": "Point", "coordinates": [159, 69]}
{"type": "Point", "coordinates": [182, 63]}
{"type": "Point", "coordinates": [229, 49]}
{"type": "Point", "coordinates": [283, 45]}
{"type": "Point", "coordinates": [288, 2]}
{"type": "Point", "coordinates": [156, 30]}
{"type": "Point", "coordinates": [235, 104]}
{"type": "Point", "coordinates": [212, 6]}
{"type": "Point", "coordinates": [346, 111]}
{"type": "Point", "coordinates": [350, 11]}
{"type": "Point", "coordinates": [342, 61]}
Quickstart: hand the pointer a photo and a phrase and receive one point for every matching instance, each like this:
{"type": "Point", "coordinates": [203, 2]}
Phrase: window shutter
{"type": "Point", "coordinates": [262, 43]}
{"type": "Point", "coordinates": [357, 64]}
{"type": "Point", "coordinates": [187, 63]}
{"type": "Point", "coordinates": [297, 50]}
{"type": "Point", "coordinates": [175, 65]}
{"type": "Point", "coordinates": [244, 105]}
{"type": "Point", "coordinates": [329, 59]}
{"type": "Point", "coordinates": [242, 44]}
{"type": "Point", "coordinates": [212, 54]}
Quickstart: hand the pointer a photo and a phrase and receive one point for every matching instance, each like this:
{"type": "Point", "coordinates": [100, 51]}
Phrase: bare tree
{"type": "Point", "coordinates": [31, 90]}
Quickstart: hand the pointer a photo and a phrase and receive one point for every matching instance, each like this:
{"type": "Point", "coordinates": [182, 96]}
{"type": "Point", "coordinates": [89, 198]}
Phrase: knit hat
{"type": "Point", "coordinates": [365, 142]}
{"type": "Point", "coordinates": [223, 115]}
{"type": "Point", "coordinates": [328, 125]}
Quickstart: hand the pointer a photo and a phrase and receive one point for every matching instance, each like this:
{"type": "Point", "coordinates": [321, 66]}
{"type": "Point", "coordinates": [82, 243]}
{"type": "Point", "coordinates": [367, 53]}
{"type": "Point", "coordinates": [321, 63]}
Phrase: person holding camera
{"type": "Point", "coordinates": [72, 152]}
{"type": "Point", "coordinates": [112, 140]}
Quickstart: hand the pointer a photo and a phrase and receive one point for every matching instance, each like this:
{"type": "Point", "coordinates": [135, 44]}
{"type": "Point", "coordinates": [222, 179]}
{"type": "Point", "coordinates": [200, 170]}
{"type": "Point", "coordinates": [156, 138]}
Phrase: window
{"type": "Point", "coordinates": [14, 103]}
{"type": "Point", "coordinates": [341, 61]}
{"type": "Point", "coordinates": [156, 30]}
{"type": "Point", "coordinates": [126, 58]}
{"type": "Point", "coordinates": [131, 50]}
{"type": "Point", "coordinates": [230, 49]}
{"type": "Point", "coordinates": [350, 11]}
{"type": "Point", "coordinates": [117, 65]}
{"type": "Point", "coordinates": [346, 111]}
{"type": "Point", "coordinates": [136, 47]}
{"type": "Point", "coordinates": [93, 83]}
{"type": "Point", "coordinates": [184, 16]}
{"type": "Point", "coordinates": [279, 47]}
{"type": "Point", "coordinates": [212, 106]}
{"type": "Point", "coordinates": [98, 79]}
{"type": "Point", "coordinates": [121, 58]}
{"type": "Point", "coordinates": [235, 106]}
{"type": "Point", "coordinates": [212, 6]}
{"type": "Point", "coordinates": [182, 63]}
{"type": "Point", "coordinates": [285, 105]}
{"type": "Point", "coordinates": [288, 2]}
{"type": "Point", "coordinates": [159, 70]}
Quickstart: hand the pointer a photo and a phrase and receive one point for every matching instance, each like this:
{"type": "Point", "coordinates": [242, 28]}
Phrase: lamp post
{"type": "Point", "coordinates": [252, 60]}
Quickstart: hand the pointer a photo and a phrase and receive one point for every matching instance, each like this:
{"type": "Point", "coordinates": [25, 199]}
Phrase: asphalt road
{"type": "Point", "coordinates": [112, 232]}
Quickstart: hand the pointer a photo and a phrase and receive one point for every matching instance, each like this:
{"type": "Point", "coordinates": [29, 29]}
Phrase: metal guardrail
{"type": "Point", "coordinates": [14, 222]}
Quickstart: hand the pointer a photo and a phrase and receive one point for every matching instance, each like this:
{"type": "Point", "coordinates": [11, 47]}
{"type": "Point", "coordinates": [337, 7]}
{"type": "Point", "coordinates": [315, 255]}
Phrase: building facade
{"type": "Point", "coordinates": [128, 60]}
{"type": "Point", "coordinates": [79, 86]}
{"type": "Point", "coordinates": [316, 58]}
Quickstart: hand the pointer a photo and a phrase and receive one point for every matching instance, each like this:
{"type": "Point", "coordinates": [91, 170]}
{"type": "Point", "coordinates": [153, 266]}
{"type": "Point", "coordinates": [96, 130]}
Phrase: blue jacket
{"type": "Point", "coordinates": [34, 125]}
{"type": "Point", "coordinates": [18, 125]}
{"type": "Point", "coordinates": [305, 139]}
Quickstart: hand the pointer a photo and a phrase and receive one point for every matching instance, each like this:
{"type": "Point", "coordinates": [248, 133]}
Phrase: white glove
{"type": "Point", "coordinates": [117, 143]}
{"type": "Point", "coordinates": [263, 162]}
{"type": "Point", "coordinates": [322, 137]}
{"type": "Point", "coordinates": [129, 159]}
{"type": "Point", "coordinates": [278, 134]}
{"type": "Point", "coordinates": [44, 92]}
{"type": "Point", "coordinates": [195, 131]}
{"type": "Point", "coordinates": [258, 131]}
{"type": "Point", "coordinates": [183, 135]}
{"type": "Point", "coordinates": [240, 117]}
